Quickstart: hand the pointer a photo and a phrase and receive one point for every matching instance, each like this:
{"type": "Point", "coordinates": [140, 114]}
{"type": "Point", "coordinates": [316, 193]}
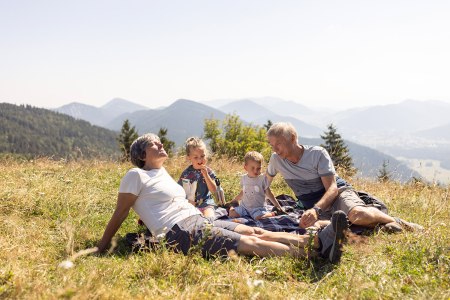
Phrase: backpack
{"type": "Point", "coordinates": [372, 201]}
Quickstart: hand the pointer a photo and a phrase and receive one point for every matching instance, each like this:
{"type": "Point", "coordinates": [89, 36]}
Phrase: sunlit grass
{"type": "Point", "coordinates": [50, 210]}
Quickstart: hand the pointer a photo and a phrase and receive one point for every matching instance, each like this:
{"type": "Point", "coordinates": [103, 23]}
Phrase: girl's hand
{"type": "Point", "coordinates": [204, 170]}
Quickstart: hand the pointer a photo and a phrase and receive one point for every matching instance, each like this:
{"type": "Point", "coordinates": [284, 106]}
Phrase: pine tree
{"type": "Point", "coordinates": [168, 144]}
{"type": "Point", "coordinates": [338, 150]}
{"type": "Point", "coordinates": [268, 125]}
{"type": "Point", "coordinates": [384, 174]}
{"type": "Point", "coordinates": [127, 136]}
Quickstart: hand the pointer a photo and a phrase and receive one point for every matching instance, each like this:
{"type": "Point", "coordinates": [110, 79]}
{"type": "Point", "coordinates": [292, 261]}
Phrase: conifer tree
{"type": "Point", "coordinates": [338, 150]}
{"type": "Point", "coordinates": [168, 144]}
{"type": "Point", "coordinates": [384, 174]}
{"type": "Point", "coordinates": [127, 136]}
{"type": "Point", "coordinates": [268, 125]}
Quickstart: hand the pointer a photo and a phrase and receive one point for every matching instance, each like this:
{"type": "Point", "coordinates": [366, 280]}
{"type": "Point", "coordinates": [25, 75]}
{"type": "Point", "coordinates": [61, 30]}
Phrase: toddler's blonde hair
{"type": "Point", "coordinates": [193, 143]}
{"type": "Point", "coordinates": [253, 156]}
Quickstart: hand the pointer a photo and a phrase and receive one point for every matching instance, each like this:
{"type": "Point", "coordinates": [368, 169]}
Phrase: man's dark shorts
{"type": "Point", "coordinates": [215, 237]}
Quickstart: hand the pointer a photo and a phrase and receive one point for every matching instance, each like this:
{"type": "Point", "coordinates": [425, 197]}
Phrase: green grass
{"type": "Point", "coordinates": [50, 210]}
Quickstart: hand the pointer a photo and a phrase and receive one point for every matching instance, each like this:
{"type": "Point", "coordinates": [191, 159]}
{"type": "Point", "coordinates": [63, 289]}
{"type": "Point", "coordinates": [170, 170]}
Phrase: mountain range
{"type": "Point", "coordinates": [100, 116]}
{"type": "Point", "coordinates": [35, 131]}
{"type": "Point", "coordinates": [255, 113]}
{"type": "Point", "coordinates": [185, 118]}
{"type": "Point", "coordinates": [408, 130]}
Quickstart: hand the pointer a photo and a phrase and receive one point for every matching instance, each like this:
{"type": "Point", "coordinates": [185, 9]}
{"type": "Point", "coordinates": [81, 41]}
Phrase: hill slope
{"type": "Point", "coordinates": [407, 116]}
{"type": "Point", "coordinates": [183, 118]}
{"type": "Point", "coordinates": [440, 132]}
{"type": "Point", "coordinates": [99, 115]}
{"type": "Point", "coordinates": [369, 161]}
{"type": "Point", "coordinates": [33, 131]}
{"type": "Point", "coordinates": [251, 111]}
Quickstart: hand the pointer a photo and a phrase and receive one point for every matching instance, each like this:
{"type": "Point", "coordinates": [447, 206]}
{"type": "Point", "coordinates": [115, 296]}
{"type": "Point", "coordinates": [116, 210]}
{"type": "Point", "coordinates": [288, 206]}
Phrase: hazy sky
{"type": "Point", "coordinates": [316, 52]}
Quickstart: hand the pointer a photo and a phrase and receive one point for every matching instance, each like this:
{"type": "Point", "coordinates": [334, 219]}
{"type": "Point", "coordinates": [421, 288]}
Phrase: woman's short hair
{"type": "Point", "coordinates": [285, 129]}
{"type": "Point", "coordinates": [193, 143]}
{"type": "Point", "coordinates": [138, 147]}
{"type": "Point", "coordinates": [253, 156]}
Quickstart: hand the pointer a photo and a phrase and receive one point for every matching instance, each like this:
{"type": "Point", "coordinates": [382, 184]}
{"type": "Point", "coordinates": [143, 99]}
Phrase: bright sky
{"type": "Point", "coordinates": [316, 52]}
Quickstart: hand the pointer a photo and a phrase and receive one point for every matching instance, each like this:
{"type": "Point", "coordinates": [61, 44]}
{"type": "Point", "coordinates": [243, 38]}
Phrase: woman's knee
{"type": "Point", "coordinates": [233, 214]}
{"type": "Point", "coordinates": [244, 229]}
{"type": "Point", "coordinates": [247, 241]}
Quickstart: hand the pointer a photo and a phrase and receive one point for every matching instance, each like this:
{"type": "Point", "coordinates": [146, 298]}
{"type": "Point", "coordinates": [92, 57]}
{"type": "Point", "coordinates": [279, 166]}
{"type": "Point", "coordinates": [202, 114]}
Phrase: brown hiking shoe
{"type": "Point", "coordinates": [399, 225]}
{"type": "Point", "coordinates": [409, 226]}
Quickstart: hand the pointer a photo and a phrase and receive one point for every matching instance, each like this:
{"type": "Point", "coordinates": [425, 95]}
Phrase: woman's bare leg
{"type": "Point", "coordinates": [252, 245]}
{"type": "Point", "coordinates": [286, 238]}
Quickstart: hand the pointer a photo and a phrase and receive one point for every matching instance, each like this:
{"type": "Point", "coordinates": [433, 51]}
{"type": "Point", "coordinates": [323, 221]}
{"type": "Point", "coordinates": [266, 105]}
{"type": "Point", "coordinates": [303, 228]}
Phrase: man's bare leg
{"type": "Point", "coordinates": [368, 216]}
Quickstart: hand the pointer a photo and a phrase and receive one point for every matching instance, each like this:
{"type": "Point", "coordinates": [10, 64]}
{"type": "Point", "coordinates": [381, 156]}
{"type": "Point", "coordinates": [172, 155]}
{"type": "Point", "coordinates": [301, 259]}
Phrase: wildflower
{"type": "Point", "coordinates": [66, 264]}
{"type": "Point", "coordinates": [255, 283]}
{"type": "Point", "coordinates": [258, 282]}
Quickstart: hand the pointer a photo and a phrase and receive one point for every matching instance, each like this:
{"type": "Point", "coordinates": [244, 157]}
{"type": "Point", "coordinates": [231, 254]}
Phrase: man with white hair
{"type": "Point", "coordinates": [310, 173]}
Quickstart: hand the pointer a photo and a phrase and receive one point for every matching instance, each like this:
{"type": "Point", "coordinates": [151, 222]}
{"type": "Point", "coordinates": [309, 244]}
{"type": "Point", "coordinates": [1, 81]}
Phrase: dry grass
{"type": "Point", "coordinates": [50, 210]}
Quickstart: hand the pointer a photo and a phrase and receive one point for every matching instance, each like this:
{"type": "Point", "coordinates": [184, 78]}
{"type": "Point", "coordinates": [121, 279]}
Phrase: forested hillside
{"type": "Point", "coordinates": [32, 131]}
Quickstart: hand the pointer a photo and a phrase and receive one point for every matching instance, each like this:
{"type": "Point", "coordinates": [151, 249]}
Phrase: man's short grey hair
{"type": "Point", "coordinates": [284, 129]}
{"type": "Point", "coordinates": [138, 147]}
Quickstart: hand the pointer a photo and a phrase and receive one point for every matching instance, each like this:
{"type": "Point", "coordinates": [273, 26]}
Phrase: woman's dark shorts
{"type": "Point", "coordinates": [213, 237]}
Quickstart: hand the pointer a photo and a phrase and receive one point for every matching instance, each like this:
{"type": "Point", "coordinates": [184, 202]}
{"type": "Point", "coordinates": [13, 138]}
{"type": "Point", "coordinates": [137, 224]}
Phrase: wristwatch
{"type": "Point", "coordinates": [318, 210]}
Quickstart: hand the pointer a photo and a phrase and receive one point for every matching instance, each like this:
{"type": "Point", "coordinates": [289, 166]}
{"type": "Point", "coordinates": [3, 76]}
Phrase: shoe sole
{"type": "Point", "coordinates": [340, 224]}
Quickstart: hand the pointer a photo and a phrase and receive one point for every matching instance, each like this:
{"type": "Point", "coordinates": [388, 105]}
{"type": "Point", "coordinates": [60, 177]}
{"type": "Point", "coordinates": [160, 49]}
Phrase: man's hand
{"type": "Point", "coordinates": [309, 217]}
{"type": "Point", "coordinates": [280, 211]}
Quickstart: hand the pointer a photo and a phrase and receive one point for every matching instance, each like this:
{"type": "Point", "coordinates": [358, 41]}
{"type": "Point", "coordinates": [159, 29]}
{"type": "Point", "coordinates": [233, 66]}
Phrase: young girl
{"type": "Point", "coordinates": [198, 178]}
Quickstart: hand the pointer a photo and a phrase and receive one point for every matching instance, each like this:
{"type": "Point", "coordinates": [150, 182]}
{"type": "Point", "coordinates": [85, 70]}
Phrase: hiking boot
{"type": "Point", "coordinates": [332, 237]}
{"type": "Point", "coordinates": [392, 227]}
{"type": "Point", "coordinates": [399, 225]}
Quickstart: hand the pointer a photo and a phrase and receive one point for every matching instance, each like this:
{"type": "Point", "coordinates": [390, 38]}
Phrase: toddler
{"type": "Point", "coordinates": [198, 179]}
{"type": "Point", "coordinates": [255, 189]}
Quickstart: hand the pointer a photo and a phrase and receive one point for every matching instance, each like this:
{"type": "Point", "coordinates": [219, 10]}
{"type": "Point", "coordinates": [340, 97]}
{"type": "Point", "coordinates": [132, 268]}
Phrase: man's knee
{"type": "Point", "coordinates": [359, 212]}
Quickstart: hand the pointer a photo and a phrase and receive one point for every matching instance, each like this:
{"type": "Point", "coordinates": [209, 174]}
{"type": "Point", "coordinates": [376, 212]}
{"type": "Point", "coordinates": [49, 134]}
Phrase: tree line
{"type": "Point", "coordinates": [30, 131]}
{"type": "Point", "coordinates": [233, 138]}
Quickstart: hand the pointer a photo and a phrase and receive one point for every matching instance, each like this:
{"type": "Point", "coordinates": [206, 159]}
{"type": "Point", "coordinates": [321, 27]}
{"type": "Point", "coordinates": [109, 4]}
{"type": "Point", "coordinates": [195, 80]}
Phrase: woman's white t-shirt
{"type": "Point", "coordinates": [161, 202]}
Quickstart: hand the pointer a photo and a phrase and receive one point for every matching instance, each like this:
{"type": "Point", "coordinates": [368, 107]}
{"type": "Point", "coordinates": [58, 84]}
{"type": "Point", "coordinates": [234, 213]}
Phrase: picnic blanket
{"type": "Point", "coordinates": [287, 223]}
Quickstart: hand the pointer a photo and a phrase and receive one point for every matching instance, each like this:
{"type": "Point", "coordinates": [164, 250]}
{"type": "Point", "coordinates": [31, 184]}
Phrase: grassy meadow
{"type": "Point", "coordinates": [50, 210]}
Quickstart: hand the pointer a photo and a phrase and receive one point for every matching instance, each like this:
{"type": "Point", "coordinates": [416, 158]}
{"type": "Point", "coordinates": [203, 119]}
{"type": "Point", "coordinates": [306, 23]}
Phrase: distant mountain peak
{"type": "Point", "coordinates": [100, 115]}
{"type": "Point", "coordinates": [123, 104]}
{"type": "Point", "coordinates": [74, 104]}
